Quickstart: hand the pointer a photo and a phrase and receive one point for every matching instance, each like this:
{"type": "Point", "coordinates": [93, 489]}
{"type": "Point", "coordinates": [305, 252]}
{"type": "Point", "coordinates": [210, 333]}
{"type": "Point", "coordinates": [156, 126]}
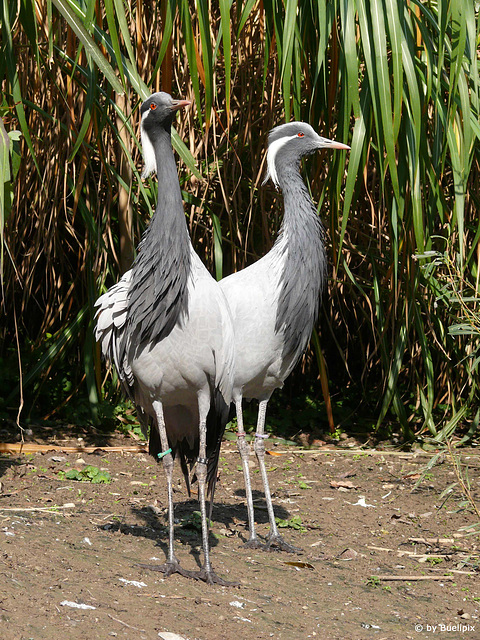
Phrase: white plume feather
{"type": "Point", "coordinates": [273, 149]}
{"type": "Point", "coordinates": [148, 150]}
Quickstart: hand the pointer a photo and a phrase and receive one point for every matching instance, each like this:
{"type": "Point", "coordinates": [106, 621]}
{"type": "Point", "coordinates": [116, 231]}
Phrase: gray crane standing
{"type": "Point", "coordinates": [167, 328]}
{"type": "Point", "coordinates": [274, 302]}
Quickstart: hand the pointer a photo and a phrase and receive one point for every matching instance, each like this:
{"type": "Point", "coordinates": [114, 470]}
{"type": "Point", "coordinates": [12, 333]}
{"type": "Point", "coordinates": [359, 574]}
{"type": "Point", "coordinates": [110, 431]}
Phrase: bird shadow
{"type": "Point", "coordinates": [187, 529]}
{"type": "Point", "coordinates": [231, 517]}
{"type": "Point", "coordinates": [260, 507]}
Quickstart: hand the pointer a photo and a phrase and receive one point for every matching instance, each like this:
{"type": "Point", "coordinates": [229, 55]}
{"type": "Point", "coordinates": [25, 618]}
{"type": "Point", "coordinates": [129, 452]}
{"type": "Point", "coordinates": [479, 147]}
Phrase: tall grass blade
{"type": "Point", "coordinates": [65, 8]}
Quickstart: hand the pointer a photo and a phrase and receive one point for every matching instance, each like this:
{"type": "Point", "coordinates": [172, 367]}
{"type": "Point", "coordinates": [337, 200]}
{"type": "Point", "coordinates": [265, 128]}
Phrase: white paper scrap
{"type": "Point", "coordinates": [135, 583]}
{"type": "Point", "coordinates": [361, 503]}
{"type": "Point", "coordinates": [76, 605]}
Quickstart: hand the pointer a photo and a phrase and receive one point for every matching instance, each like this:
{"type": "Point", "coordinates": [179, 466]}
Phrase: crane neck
{"type": "Point", "coordinates": [300, 251]}
{"type": "Point", "coordinates": [169, 214]}
{"type": "Point", "coordinates": [158, 293]}
{"type": "Point", "coordinates": [299, 213]}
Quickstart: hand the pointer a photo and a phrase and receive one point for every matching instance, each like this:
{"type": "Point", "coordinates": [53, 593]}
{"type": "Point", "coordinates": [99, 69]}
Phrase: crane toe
{"type": "Point", "coordinates": [255, 543]}
{"type": "Point", "coordinates": [169, 568]}
{"type": "Point", "coordinates": [210, 577]}
{"type": "Point", "coordinates": [279, 543]}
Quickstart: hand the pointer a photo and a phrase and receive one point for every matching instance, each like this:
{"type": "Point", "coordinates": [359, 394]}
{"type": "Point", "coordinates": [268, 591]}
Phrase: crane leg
{"type": "Point", "coordinates": [206, 573]}
{"type": "Point", "coordinates": [172, 565]}
{"type": "Point", "coordinates": [244, 450]}
{"type": "Point", "coordinates": [274, 538]}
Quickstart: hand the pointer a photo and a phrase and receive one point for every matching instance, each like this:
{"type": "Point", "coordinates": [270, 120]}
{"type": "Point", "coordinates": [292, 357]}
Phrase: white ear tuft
{"type": "Point", "coordinates": [148, 150]}
{"type": "Point", "coordinates": [273, 149]}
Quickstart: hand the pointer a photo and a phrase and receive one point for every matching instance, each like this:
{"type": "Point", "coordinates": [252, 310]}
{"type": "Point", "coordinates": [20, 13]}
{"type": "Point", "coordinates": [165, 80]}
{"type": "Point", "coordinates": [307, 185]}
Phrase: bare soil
{"type": "Point", "coordinates": [65, 543]}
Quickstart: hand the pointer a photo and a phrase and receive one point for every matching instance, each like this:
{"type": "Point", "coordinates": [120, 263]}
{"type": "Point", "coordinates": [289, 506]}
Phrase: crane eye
{"type": "Point", "coordinates": [153, 106]}
{"type": "Point", "coordinates": [300, 134]}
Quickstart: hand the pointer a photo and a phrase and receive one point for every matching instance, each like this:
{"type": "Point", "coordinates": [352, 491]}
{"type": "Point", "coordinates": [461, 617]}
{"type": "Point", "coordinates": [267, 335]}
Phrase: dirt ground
{"type": "Point", "coordinates": [67, 543]}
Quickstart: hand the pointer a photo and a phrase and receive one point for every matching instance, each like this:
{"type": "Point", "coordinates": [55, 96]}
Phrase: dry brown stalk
{"type": "Point", "coordinates": [31, 447]}
{"type": "Point", "coordinates": [413, 578]}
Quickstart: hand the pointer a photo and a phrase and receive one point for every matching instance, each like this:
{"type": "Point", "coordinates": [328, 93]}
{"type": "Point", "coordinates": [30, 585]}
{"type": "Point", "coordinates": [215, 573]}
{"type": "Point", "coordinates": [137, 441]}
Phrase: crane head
{"type": "Point", "coordinates": [290, 142]}
{"type": "Point", "coordinates": [157, 114]}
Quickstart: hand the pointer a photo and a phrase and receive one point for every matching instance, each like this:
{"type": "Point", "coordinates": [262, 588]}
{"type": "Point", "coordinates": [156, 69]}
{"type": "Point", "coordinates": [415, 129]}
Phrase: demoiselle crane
{"type": "Point", "coordinates": [274, 302]}
{"type": "Point", "coordinates": [167, 328]}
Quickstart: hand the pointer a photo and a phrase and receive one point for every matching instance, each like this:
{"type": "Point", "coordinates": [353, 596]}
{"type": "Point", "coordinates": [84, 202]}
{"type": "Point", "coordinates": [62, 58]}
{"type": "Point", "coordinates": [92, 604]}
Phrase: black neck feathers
{"type": "Point", "coordinates": [158, 295]}
{"type": "Point", "coordinates": [304, 272]}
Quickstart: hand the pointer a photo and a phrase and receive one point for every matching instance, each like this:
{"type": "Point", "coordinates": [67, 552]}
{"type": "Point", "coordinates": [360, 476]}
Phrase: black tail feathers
{"type": "Point", "coordinates": [217, 419]}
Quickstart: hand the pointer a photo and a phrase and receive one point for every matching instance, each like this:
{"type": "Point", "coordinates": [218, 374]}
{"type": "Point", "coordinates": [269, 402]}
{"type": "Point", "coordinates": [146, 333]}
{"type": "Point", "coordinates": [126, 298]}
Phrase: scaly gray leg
{"type": "Point", "coordinates": [274, 538]}
{"type": "Point", "coordinates": [172, 565]}
{"type": "Point", "coordinates": [244, 450]}
{"type": "Point", "coordinates": [206, 573]}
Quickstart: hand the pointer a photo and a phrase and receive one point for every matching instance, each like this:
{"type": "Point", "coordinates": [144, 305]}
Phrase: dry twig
{"type": "Point", "coordinates": [413, 578]}
{"type": "Point", "coordinates": [32, 447]}
{"type": "Point", "coordinates": [125, 624]}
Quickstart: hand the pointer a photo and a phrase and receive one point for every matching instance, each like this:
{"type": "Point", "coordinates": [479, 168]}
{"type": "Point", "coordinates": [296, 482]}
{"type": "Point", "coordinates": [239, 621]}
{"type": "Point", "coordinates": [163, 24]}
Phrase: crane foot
{"type": "Point", "coordinates": [210, 577]}
{"type": "Point", "coordinates": [255, 543]}
{"type": "Point", "coordinates": [169, 568]}
{"type": "Point", "coordinates": [278, 542]}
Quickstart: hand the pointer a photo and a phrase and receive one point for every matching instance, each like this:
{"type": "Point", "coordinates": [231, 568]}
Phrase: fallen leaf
{"type": "Point", "coordinates": [299, 565]}
{"type": "Point", "coordinates": [273, 453]}
{"type": "Point", "coordinates": [347, 474]}
{"type": "Point", "coordinates": [345, 484]}
{"type": "Point", "coordinates": [156, 510]}
{"type": "Point", "coordinates": [347, 554]}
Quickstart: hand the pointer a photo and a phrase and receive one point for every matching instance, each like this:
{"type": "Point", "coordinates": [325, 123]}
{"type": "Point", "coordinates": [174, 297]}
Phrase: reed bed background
{"type": "Point", "coordinates": [398, 80]}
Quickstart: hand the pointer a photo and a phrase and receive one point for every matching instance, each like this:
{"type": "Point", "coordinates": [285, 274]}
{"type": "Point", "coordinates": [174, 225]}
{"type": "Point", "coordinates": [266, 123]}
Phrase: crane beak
{"type": "Point", "coordinates": [325, 143]}
{"type": "Point", "coordinates": [179, 104]}
{"type": "Point", "coordinates": [333, 144]}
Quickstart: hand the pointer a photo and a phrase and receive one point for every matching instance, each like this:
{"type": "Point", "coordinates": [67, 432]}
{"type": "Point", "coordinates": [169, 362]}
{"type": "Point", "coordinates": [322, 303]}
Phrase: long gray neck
{"type": "Point", "coordinates": [304, 274]}
{"type": "Point", "coordinates": [169, 215]}
{"type": "Point", "coordinates": [158, 295]}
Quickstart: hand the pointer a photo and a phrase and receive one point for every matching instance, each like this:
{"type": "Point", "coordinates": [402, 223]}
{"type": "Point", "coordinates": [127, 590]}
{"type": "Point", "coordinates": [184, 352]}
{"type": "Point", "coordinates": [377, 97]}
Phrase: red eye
{"type": "Point", "coordinates": [300, 134]}
{"type": "Point", "coordinates": [153, 106]}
